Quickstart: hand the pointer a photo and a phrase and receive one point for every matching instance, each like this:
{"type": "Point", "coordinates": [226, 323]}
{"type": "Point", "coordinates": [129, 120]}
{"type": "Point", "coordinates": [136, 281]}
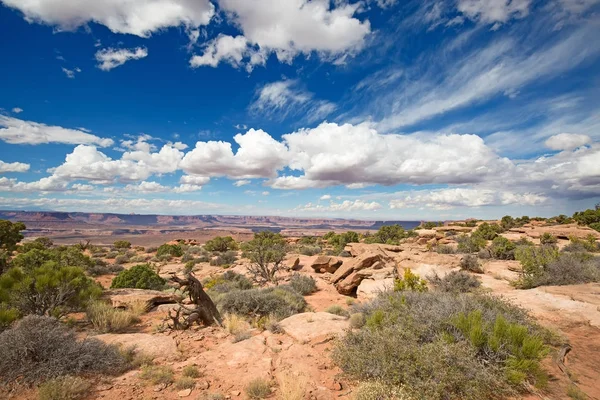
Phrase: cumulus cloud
{"type": "Point", "coordinates": [16, 131]}
{"type": "Point", "coordinates": [47, 184]}
{"type": "Point", "coordinates": [442, 199]}
{"type": "Point", "coordinates": [284, 98]}
{"type": "Point", "coordinates": [258, 156]}
{"type": "Point", "coordinates": [325, 197]}
{"type": "Point", "coordinates": [286, 28]}
{"type": "Point", "coordinates": [346, 206]}
{"type": "Point", "coordinates": [112, 58]}
{"type": "Point", "coordinates": [567, 141]}
{"type": "Point", "coordinates": [368, 157]}
{"type": "Point", "coordinates": [194, 180]}
{"type": "Point", "coordinates": [13, 167]}
{"type": "Point", "coordinates": [137, 17]}
{"type": "Point", "coordinates": [494, 11]}
{"type": "Point", "coordinates": [17, 110]}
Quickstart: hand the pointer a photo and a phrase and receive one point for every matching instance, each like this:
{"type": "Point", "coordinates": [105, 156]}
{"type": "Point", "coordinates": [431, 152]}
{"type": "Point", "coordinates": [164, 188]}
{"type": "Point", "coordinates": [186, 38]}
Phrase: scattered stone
{"type": "Point", "coordinates": [236, 393]}
{"type": "Point", "coordinates": [203, 385]}
{"type": "Point", "coordinates": [184, 393]}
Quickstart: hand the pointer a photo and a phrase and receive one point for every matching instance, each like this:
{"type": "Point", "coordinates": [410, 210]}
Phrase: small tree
{"type": "Point", "coordinates": [174, 250]}
{"type": "Point", "coordinates": [266, 251]}
{"type": "Point", "coordinates": [10, 236]}
{"type": "Point", "coordinates": [221, 244]}
{"type": "Point", "coordinates": [139, 277]}
{"type": "Point", "coordinates": [122, 244]}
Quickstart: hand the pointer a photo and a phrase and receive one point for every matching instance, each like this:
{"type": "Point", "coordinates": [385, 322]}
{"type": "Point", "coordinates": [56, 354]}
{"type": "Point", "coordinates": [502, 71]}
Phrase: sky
{"type": "Point", "coordinates": [371, 109]}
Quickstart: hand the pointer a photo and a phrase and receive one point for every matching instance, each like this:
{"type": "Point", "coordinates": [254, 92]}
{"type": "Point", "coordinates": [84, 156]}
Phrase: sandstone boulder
{"type": "Point", "coordinates": [370, 288]}
{"type": "Point", "coordinates": [350, 274]}
{"type": "Point", "coordinates": [152, 345]}
{"type": "Point", "coordinates": [356, 249]}
{"type": "Point", "coordinates": [308, 326]}
{"type": "Point", "coordinates": [326, 264]}
{"type": "Point", "coordinates": [427, 233]}
{"type": "Point", "coordinates": [121, 298]}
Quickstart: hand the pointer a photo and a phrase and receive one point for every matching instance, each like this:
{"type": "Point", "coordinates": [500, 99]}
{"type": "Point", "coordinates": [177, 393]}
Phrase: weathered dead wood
{"type": "Point", "coordinates": [203, 309]}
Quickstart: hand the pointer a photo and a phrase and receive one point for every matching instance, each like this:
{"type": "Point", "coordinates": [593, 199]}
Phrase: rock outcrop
{"type": "Point", "coordinates": [152, 345]}
{"type": "Point", "coordinates": [121, 298]}
{"type": "Point", "coordinates": [308, 326]}
{"type": "Point", "coordinates": [372, 264]}
{"type": "Point", "coordinates": [326, 264]}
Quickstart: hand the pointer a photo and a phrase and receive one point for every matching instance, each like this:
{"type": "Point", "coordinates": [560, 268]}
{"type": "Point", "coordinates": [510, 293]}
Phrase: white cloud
{"type": "Point", "coordinates": [13, 167]}
{"type": "Point", "coordinates": [242, 182]}
{"type": "Point", "coordinates": [258, 156]}
{"type": "Point", "coordinates": [367, 157]}
{"type": "Point", "coordinates": [155, 187]}
{"type": "Point", "coordinates": [286, 28]}
{"type": "Point", "coordinates": [137, 17]}
{"type": "Point", "coordinates": [112, 58]}
{"type": "Point", "coordinates": [80, 187]}
{"type": "Point", "coordinates": [194, 180]}
{"type": "Point", "coordinates": [265, 193]}
{"type": "Point", "coordinates": [325, 197]}
{"type": "Point", "coordinates": [283, 98]}
{"type": "Point", "coordinates": [345, 206]}
{"type": "Point", "coordinates": [47, 184]}
{"type": "Point", "coordinates": [443, 199]}
{"type": "Point", "coordinates": [494, 11]}
{"type": "Point", "coordinates": [16, 131]}
{"type": "Point", "coordinates": [17, 110]}
{"type": "Point", "coordinates": [567, 141]}
{"type": "Point", "coordinates": [70, 73]}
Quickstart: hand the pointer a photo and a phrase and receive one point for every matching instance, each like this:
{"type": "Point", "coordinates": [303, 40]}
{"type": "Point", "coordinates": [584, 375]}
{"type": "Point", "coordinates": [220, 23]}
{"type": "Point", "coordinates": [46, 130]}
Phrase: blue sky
{"type": "Point", "coordinates": [374, 109]}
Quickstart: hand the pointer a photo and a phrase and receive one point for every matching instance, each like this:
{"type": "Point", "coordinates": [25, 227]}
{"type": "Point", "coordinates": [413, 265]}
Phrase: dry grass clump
{"type": "Point", "coordinates": [40, 348]}
{"type": "Point", "coordinates": [258, 388]}
{"type": "Point", "coordinates": [292, 387]}
{"type": "Point", "coordinates": [337, 310]}
{"type": "Point", "coordinates": [191, 371]}
{"type": "Point", "coordinates": [63, 388]}
{"type": "Point", "coordinates": [157, 374]}
{"type": "Point", "coordinates": [105, 318]}
{"type": "Point", "coordinates": [136, 358]}
{"type": "Point", "coordinates": [357, 320]}
{"type": "Point", "coordinates": [302, 284]}
{"type": "Point", "coordinates": [185, 382]}
{"type": "Point", "coordinates": [471, 264]}
{"type": "Point", "coordinates": [375, 390]}
{"type": "Point", "coordinates": [138, 307]}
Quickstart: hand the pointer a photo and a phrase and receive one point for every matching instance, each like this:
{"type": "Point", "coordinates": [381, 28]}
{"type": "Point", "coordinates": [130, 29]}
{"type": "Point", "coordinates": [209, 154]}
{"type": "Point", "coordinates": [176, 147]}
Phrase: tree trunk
{"type": "Point", "coordinates": [203, 310]}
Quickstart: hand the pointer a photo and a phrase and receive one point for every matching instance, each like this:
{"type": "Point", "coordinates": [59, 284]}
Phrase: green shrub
{"type": "Point", "coordinates": [106, 318]}
{"type": "Point", "coordinates": [309, 250]}
{"type": "Point", "coordinates": [337, 310]}
{"type": "Point", "coordinates": [471, 264]}
{"type": "Point", "coordinates": [456, 282]}
{"type": "Point", "coordinates": [157, 374]}
{"type": "Point", "coordinates": [595, 226]}
{"type": "Point", "coordinates": [407, 343]}
{"type": "Point", "coordinates": [587, 217]}
{"type": "Point", "coordinates": [534, 261]}
{"type": "Point", "coordinates": [389, 234]}
{"type": "Point", "coordinates": [302, 284]}
{"type": "Point", "coordinates": [444, 249]}
{"type": "Point", "coordinates": [308, 240]}
{"type": "Point", "coordinates": [227, 258]}
{"type": "Point", "coordinates": [502, 249]}
{"type": "Point", "coordinates": [64, 388]}
{"type": "Point", "coordinates": [173, 250]}
{"type": "Point", "coordinates": [569, 269]}
{"type": "Point", "coordinates": [227, 282]}
{"type": "Point", "coordinates": [470, 244]}
{"type": "Point", "coordinates": [121, 259]}
{"type": "Point", "coordinates": [548, 238]}
{"type": "Point", "coordinates": [410, 281]}
{"type": "Point", "coordinates": [7, 316]}
{"type": "Point", "coordinates": [139, 277]}
{"type": "Point", "coordinates": [281, 302]}
{"type": "Point", "coordinates": [488, 231]}
{"type": "Point", "coordinates": [185, 382]}
{"type": "Point", "coordinates": [266, 251]}
{"type": "Point", "coordinates": [103, 268]}
{"type": "Point", "coordinates": [40, 348]}
{"type": "Point", "coordinates": [60, 256]}
{"type": "Point", "coordinates": [122, 244]}
{"type": "Point", "coordinates": [48, 290]}
{"type": "Point", "coordinates": [191, 371]}
{"type": "Point", "coordinates": [258, 389]}
{"type": "Point", "coordinates": [221, 244]}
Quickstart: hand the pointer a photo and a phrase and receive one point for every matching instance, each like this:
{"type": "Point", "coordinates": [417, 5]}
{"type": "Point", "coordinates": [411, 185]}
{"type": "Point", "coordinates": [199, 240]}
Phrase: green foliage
{"type": "Point", "coordinates": [41, 243]}
{"type": "Point", "coordinates": [7, 316]}
{"type": "Point", "coordinates": [569, 269]}
{"type": "Point", "coordinates": [430, 224]}
{"type": "Point", "coordinates": [519, 351]}
{"type": "Point", "coordinates": [488, 231]}
{"type": "Point", "coordinates": [40, 348]}
{"type": "Point", "coordinates": [266, 251]}
{"type": "Point", "coordinates": [595, 226]}
{"type": "Point", "coordinates": [471, 264]}
{"type": "Point", "coordinates": [410, 281]}
{"type": "Point", "coordinates": [191, 371]}
{"type": "Point", "coordinates": [122, 244]}
{"type": "Point", "coordinates": [587, 217]}
{"type": "Point", "coordinates": [388, 234]}
{"type": "Point", "coordinates": [106, 318]}
{"type": "Point", "coordinates": [157, 374]}
{"type": "Point", "coordinates": [337, 310]}
{"type": "Point", "coordinates": [470, 244]}
{"type": "Point", "coordinates": [502, 249]}
{"type": "Point", "coordinates": [407, 343]}
{"type": "Point", "coordinates": [281, 302]}
{"type": "Point", "coordinates": [258, 389]}
{"type": "Point", "coordinates": [339, 241]}
{"type": "Point", "coordinates": [49, 290]}
{"type": "Point", "coordinates": [221, 244]}
{"type": "Point", "coordinates": [173, 250]}
{"type": "Point", "coordinates": [308, 250]}
{"type": "Point", "coordinates": [302, 284]}
{"type": "Point", "coordinates": [455, 282]}
{"type": "Point", "coordinates": [534, 260]}
{"type": "Point", "coordinates": [548, 238]}
{"type": "Point", "coordinates": [577, 245]}
{"type": "Point", "coordinates": [10, 235]}
{"type": "Point", "coordinates": [64, 388]}
{"type": "Point", "coordinates": [227, 282]}
{"type": "Point", "coordinates": [376, 390]}
{"type": "Point", "coordinates": [64, 256]}
{"type": "Point", "coordinates": [308, 240]}
{"type": "Point", "coordinates": [141, 276]}
{"type": "Point", "coordinates": [224, 259]}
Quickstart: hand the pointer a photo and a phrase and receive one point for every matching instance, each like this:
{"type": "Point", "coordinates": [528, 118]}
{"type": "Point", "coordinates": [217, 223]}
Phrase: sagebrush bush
{"type": "Point", "coordinates": [337, 310]}
{"type": "Point", "coordinates": [302, 284]}
{"type": "Point", "coordinates": [455, 282]}
{"type": "Point", "coordinates": [357, 320]}
{"type": "Point", "coordinates": [64, 388]}
{"type": "Point", "coordinates": [309, 250]}
{"type": "Point", "coordinates": [377, 390]}
{"type": "Point", "coordinates": [122, 259]}
{"type": "Point", "coordinates": [258, 389]}
{"type": "Point", "coordinates": [140, 276]}
{"type": "Point", "coordinates": [548, 238]}
{"type": "Point", "coordinates": [40, 348]}
{"type": "Point", "coordinates": [173, 250]}
{"type": "Point", "coordinates": [502, 248]}
{"type": "Point", "coordinates": [103, 268]}
{"type": "Point", "coordinates": [227, 258]}
{"type": "Point", "coordinates": [407, 342]}
{"type": "Point", "coordinates": [470, 244]}
{"type": "Point", "coordinates": [104, 318]}
{"type": "Point", "coordinates": [281, 302]}
{"type": "Point", "coordinates": [471, 264]}
{"type": "Point", "coordinates": [227, 282]}
{"type": "Point", "coordinates": [568, 269]}
{"type": "Point", "coordinates": [444, 249]}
